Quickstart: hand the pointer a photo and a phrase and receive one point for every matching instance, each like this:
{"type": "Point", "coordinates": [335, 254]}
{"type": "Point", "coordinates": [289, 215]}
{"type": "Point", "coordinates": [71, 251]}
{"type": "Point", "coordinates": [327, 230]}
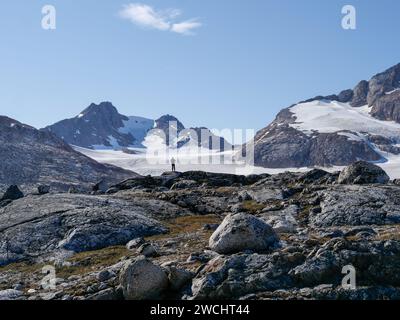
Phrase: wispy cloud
{"type": "Point", "coordinates": [164, 20]}
{"type": "Point", "coordinates": [186, 27]}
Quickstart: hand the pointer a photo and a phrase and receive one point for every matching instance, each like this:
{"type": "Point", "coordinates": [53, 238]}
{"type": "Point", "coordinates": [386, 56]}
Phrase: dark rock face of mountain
{"type": "Point", "coordinates": [102, 125]}
{"type": "Point", "coordinates": [383, 83]}
{"type": "Point", "coordinates": [370, 92]}
{"type": "Point", "coordinates": [279, 145]}
{"type": "Point", "coordinates": [29, 156]}
{"type": "Point", "coordinates": [285, 147]}
{"type": "Point", "coordinates": [360, 95]}
{"type": "Point", "coordinates": [387, 107]}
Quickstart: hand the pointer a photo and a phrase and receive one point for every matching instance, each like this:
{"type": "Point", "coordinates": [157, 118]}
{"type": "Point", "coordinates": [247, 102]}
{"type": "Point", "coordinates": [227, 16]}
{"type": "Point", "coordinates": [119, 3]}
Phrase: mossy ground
{"type": "Point", "coordinates": [252, 206]}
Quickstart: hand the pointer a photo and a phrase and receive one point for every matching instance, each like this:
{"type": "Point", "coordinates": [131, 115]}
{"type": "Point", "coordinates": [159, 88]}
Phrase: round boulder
{"type": "Point", "coordinates": [240, 232]}
{"type": "Point", "coordinates": [363, 172]}
{"type": "Point", "coordinates": [142, 280]}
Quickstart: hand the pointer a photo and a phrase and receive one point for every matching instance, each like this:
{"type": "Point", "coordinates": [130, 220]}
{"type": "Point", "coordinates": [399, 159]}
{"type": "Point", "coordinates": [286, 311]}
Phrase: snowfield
{"type": "Point", "coordinates": [189, 159]}
{"type": "Point", "coordinates": [146, 164]}
{"type": "Point", "coordinates": [333, 116]}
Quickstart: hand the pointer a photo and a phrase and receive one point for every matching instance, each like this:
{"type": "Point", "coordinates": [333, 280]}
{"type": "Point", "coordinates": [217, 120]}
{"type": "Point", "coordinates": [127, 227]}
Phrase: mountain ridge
{"type": "Point", "coordinates": [103, 127]}
{"type": "Point", "coordinates": [30, 157]}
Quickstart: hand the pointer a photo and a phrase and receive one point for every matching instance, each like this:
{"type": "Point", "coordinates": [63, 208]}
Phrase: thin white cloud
{"type": "Point", "coordinates": [164, 20]}
{"type": "Point", "coordinates": [186, 27]}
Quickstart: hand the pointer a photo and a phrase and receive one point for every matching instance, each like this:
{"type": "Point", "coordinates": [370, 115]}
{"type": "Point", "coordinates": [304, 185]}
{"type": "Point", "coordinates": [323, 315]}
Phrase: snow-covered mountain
{"type": "Point", "coordinates": [103, 127]}
{"type": "Point", "coordinates": [336, 130]}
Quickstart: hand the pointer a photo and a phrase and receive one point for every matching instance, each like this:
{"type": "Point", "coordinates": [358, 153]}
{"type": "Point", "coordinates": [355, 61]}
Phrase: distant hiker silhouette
{"type": "Point", "coordinates": [173, 164]}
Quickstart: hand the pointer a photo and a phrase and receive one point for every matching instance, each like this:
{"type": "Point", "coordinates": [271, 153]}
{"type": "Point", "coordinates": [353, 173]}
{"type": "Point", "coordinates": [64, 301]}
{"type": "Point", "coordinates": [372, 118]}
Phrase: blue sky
{"type": "Point", "coordinates": [245, 61]}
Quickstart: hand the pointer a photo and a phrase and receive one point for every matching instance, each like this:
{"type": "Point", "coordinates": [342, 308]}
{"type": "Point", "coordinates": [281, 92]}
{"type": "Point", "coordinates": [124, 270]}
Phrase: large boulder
{"type": "Point", "coordinates": [362, 172]}
{"type": "Point", "coordinates": [142, 280]}
{"type": "Point", "coordinates": [240, 232]}
{"type": "Point", "coordinates": [376, 263]}
{"type": "Point", "coordinates": [353, 205]}
{"type": "Point", "coordinates": [10, 294]}
{"type": "Point", "coordinates": [235, 276]}
{"type": "Point", "coordinates": [12, 193]}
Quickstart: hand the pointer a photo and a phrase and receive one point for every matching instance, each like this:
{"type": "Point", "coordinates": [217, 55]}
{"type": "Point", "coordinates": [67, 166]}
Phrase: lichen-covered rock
{"type": "Point", "coordinates": [178, 277]}
{"type": "Point", "coordinates": [184, 184]}
{"type": "Point", "coordinates": [282, 221]}
{"type": "Point", "coordinates": [375, 263]}
{"type": "Point", "coordinates": [142, 280]}
{"type": "Point", "coordinates": [362, 172]}
{"type": "Point", "coordinates": [356, 205]}
{"type": "Point", "coordinates": [231, 277]}
{"type": "Point", "coordinates": [42, 226]}
{"type": "Point", "coordinates": [240, 232]}
{"type": "Point", "coordinates": [10, 294]}
{"type": "Point", "coordinates": [147, 250]}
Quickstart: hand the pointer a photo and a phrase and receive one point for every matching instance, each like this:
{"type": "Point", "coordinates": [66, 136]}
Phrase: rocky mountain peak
{"type": "Point", "coordinates": [164, 121]}
{"type": "Point", "coordinates": [103, 108]}
{"type": "Point", "coordinates": [105, 112]}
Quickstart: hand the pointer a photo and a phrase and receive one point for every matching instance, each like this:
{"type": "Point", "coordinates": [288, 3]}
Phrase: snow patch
{"type": "Point", "coordinates": [351, 136]}
{"type": "Point", "coordinates": [333, 116]}
{"type": "Point", "coordinates": [393, 91]}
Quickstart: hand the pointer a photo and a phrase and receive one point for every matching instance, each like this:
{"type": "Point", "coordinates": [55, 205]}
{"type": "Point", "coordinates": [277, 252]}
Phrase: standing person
{"type": "Point", "coordinates": [173, 164]}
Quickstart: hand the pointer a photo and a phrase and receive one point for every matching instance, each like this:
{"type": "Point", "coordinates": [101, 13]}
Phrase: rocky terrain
{"type": "Point", "coordinates": [199, 235]}
{"type": "Point", "coordinates": [336, 130]}
{"type": "Point", "coordinates": [29, 157]}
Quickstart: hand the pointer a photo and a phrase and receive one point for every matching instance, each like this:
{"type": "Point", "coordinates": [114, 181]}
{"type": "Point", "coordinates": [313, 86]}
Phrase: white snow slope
{"type": "Point", "coordinates": [145, 164]}
{"type": "Point", "coordinates": [333, 116]}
